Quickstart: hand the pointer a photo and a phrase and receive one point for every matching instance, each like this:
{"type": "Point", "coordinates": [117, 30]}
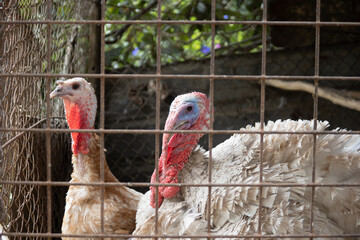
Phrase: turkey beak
{"type": "Point", "coordinates": [179, 124]}
{"type": "Point", "coordinates": [60, 91]}
{"type": "Point", "coordinates": [172, 124]}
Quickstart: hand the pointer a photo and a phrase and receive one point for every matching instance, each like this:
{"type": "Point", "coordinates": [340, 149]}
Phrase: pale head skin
{"type": "Point", "coordinates": [180, 118]}
{"type": "Point", "coordinates": [80, 109]}
{"type": "Point", "coordinates": [187, 112]}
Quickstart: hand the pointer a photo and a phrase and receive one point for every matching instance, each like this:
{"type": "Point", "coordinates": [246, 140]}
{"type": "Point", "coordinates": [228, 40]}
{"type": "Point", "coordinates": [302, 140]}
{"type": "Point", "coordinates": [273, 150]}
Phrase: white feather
{"type": "Point", "coordinates": [287, 158]}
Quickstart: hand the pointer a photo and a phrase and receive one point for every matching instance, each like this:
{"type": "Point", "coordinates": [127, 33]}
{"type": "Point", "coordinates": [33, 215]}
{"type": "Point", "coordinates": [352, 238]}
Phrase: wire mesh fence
{"type": "Point", "coordinates": [21, 107]}
{"type": "Point", "coordinates": [139, 98]}
{"type": "Point", "coordinates": [23, 50]}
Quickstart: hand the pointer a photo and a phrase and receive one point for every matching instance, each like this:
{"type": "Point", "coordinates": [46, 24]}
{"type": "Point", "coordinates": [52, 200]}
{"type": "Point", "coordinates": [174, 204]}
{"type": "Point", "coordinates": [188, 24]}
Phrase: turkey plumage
{"type": "Point", "coordinates": [287, 158]}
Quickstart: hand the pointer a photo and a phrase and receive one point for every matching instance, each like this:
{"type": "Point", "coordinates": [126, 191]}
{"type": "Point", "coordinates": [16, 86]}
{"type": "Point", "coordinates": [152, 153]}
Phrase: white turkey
{"type": "Point", "coordinates": [287, 158]}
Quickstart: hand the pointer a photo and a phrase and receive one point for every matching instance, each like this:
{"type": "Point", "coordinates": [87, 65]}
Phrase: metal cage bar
{"type": "Point", "coordinates": [102, 115]}
{"type": "Point", "coordinates": [138, 184]}
{"type": "Point", "coordinates": [147, 131]}
{"type": "Point", "coordinates": [262, 109]}
{"type": "Point", "coordinates": [157, 120]}
{"type": "Point", "coordinates": [155, 22]}
{"type": "Point", "coordinates": [187, 76]}
{"type": "Point", "coordinates": [175, 236]}
{"type": "Point", "coordinates": [48, 114]}
{"type": "Point", "coordinates": [211, 98]}
{"type": "Point", "coordinates": [315, 117]}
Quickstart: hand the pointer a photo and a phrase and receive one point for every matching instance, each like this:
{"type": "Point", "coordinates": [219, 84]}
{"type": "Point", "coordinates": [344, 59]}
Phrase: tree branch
{"type": "Point", "coordinates": [255, 41]}
{"type": "Point", "coordinates": [326, 93]}
{"type": "Point", "coordinates": [117, 34]}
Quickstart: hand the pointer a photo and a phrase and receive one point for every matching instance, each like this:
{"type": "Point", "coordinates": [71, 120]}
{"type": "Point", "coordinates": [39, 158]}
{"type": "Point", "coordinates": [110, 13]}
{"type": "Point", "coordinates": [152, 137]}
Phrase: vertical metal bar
{"type": "Point", "coordinates": [316, 85]}
{"type": "Point", "coordinates": [157, 120]}
{"type": "Point", "coordinates": [48, 118]}
{"type": "Point", "coordinates": [262, 108]}
{"type": "Point", "coordinates": [102, 112]}
{"type": "Point", "coordinates": [211, 98]}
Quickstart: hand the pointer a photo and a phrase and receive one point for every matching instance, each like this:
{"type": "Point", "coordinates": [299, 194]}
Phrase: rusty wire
{"type": "Point", "coordinates": [20, 107]}
{"type": "Point", "coordinates": [188, 76]}
{"type": "Point", "coordinates": [175, 236]}
{"type": "Point", "coordinates": [48, 120]}
{"type": "Point", "coordinates": [262, 109]}
{"type": "Point", "coordinates": [157, 116]}
{"type": "Point", "coordinates": [315, 117]}
{"type": "Point", "coordinates": [24, 103]}
{"type": "Point", "coordinates": [138, 184]}
{"type": "Point", "coordinates": [155, 22]}
{"type": "Point", "coordinates": [102, 115]}
{"type": "Point", "coordinates": [25, 125]}
{"type": "Point", "coordinates": [146, 131]}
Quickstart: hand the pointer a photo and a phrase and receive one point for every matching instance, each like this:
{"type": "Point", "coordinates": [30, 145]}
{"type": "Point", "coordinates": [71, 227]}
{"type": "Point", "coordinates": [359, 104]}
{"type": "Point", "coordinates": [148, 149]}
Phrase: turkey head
{"type": "Point", "coordinates": [80, 110]}
{"type": "Point", "coordinates": [187, 112]}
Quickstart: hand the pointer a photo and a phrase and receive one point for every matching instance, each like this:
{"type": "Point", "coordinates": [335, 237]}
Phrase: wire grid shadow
{"type": "Point", "coordinates": [130, 103]}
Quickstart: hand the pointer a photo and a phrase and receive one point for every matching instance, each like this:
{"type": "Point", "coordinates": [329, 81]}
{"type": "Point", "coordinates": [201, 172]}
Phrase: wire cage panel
{"type": "Point", "coordinates": [310, 49]}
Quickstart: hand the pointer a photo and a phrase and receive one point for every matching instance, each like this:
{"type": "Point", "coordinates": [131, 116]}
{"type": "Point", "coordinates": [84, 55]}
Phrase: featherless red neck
{"type": "Point", "coordinates": [187, 112]}
{"type": "Point", "coordinates": [78, 116]}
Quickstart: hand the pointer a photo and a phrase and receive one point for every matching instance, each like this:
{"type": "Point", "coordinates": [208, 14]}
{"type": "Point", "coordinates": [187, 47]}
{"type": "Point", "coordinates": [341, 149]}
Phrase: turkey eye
{"type": "Point", "coordinates": [189, 109]}
{"type": "Point", "coordinates": [75, 86]}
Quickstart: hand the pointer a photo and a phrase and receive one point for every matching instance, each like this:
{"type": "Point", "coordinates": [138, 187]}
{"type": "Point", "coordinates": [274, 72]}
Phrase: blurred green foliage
{"type": "Point", "coordinates": [136, 45]}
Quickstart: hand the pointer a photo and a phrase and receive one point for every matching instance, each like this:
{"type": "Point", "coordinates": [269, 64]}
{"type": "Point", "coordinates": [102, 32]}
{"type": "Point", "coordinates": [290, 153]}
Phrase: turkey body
{"type": "Point", "coordinates": [287, 158]}
{"type": "Point", "coordinates": [83, 203]}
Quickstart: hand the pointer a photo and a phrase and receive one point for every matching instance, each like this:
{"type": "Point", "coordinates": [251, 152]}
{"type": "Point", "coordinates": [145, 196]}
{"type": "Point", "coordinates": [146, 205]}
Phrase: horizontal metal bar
{"type": "Point", "coordinates": [182, 76]}
{"type": "Point", "coordinates": [146, 184]}
{"type": "Point", "coordinates": [22, 133]}
{"type": "Point", "coordinates": [107, 235]}
{"type": "Point", "coordinates": [177, 22]}
{"type": "Point", "coordinates": [154, 131]}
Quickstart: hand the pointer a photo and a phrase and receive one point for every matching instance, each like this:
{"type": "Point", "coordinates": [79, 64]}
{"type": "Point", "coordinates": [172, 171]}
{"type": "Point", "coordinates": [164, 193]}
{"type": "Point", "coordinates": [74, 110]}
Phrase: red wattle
{"type": "Point", "coordinates": [170, 177]}
{"type": "Point", "coordinates": [171, 165]}
{"type": "Point", "coordinates": [78, 119]}
{"type": "Point", "coordinates": [169, 150]}
{"type": "Point", "coordinates": [152, 200]}
{"type": "Point", "coordinates": [153, 189]}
